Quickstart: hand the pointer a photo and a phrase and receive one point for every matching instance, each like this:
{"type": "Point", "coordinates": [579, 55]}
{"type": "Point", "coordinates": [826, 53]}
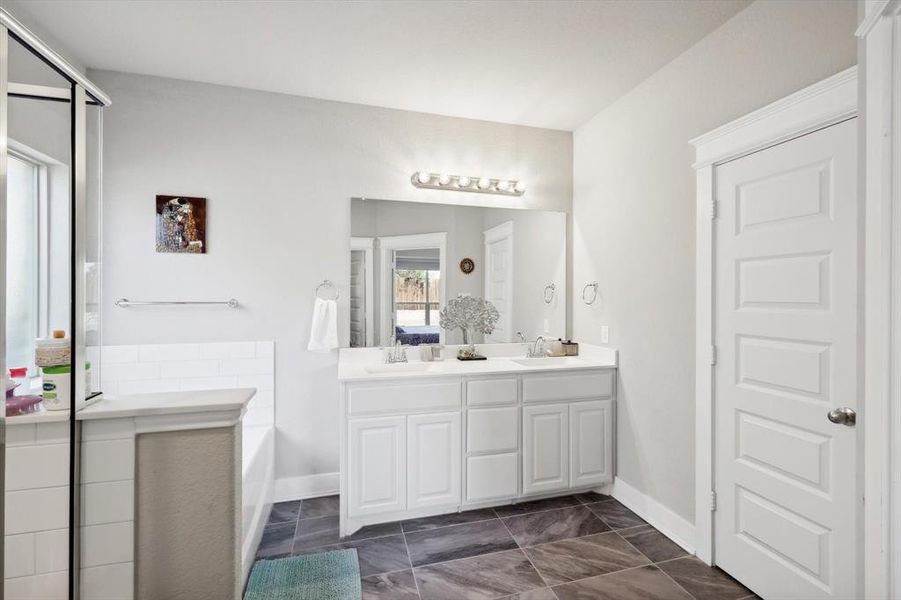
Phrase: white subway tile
{"type": "Point", "coordinates": [109, 460]}
{"type": "Point", "coordinates": [18, 555]}
{"type": "Point", "coordinates": [260, 382]}
{"type": "Point", "coordinates": [52, 433]}
{"type": "Point", "coordinates": [52, 586]}
{"type": "Point", "coordinates": [51, 549]}
{"type": "Point", "coordinates": [258, 415]}
{"type": "Point", "coordinates": [108, 502]}
{"type": "Point", "coordinates": [168, 352]}
{"type": "Point", "coordinates": [38, 466]}
{"type": "Point", "coordinates": [107, 429]}
{"type": "Point", "coordinates": [107, 544]}
{"type": "Point", "coordinates": [245, 366]}
{"type": "Point", "coordinates": [19, 435]}
{"type": "Point", "coordinates": [148, 386]}
{"type": "Point", "coordinates": [266, 350]}
{"type": "Point", "coordinates": [109, 582]}
{"type": "Point", "coordinates": [228, 350]}
{"type": "Point", "coordinates": [130, 372]}
{"type": "Point", "coordinates": [109, 388]}
{"type": "Point", "coordinates": [114, 355]}
{"type": "Point", "coordinates": [208, 383]}
{"type": "Point", "coordinates": [189, 368]}
{"type": "Point", "coordinates": [37, 510]}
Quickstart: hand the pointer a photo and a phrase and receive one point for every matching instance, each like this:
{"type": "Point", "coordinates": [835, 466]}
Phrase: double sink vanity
{"type": "Point", "coordinates": [427, 438]}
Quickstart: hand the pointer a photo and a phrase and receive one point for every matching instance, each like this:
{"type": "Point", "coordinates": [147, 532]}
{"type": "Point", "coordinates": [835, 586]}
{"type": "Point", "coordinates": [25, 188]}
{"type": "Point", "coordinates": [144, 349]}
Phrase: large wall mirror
{"type": "Point", "coordinates": [407, 259]}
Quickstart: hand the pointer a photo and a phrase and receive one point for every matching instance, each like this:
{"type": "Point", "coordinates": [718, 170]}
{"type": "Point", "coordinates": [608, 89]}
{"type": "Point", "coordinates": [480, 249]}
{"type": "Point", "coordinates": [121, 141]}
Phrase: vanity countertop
{"type": "Point", "coordinates": [367, 364]}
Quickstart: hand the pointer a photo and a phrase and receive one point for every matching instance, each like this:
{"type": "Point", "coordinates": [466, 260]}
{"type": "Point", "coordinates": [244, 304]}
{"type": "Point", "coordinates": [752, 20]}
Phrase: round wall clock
{"type": "Point", "coordinates": [467, 266]}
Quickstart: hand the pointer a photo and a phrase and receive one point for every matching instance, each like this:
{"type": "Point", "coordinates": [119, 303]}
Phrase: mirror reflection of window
{"type": "Point", "coordinates": [416, 295]}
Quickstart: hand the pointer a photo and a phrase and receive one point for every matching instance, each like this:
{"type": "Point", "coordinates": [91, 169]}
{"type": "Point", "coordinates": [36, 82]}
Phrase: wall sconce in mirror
{"type": "Point", "coordinates": [465, 183]}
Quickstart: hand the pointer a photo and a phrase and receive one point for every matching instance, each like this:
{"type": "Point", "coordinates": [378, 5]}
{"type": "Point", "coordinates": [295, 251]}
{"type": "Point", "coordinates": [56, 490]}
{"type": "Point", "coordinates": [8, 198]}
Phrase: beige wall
{"type": "Point", "coordinates": [187, 508]}
{"type": "Point", "coordinates": [634, 213]}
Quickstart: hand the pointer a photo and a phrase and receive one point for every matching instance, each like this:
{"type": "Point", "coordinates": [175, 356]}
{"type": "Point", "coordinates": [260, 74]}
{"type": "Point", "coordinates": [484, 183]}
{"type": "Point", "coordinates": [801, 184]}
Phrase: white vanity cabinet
{"type": "Point", "coordinates": [419, 446]}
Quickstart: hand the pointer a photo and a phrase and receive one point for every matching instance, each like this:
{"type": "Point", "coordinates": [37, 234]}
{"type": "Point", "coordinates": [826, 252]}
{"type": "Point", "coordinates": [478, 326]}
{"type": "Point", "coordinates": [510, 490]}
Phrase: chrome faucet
{"type": "Point", "coordinates": [396, 352]}
{"type": "Point", "coordinates": [536, 350]}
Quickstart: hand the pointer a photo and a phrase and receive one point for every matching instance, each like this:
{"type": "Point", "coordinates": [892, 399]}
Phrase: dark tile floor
{"type": "Point", "coordinates": [586, 546]}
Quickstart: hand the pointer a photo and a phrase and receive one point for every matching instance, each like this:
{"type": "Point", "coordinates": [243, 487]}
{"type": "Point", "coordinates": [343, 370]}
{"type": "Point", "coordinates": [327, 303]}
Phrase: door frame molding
{"type": "Point", "coordinates": [880, 35]}
{"type": "Point", "coordinates": [825, 103]}
{"type": "Point", "coordinates": [367, 245]}
{"type": "Point", "coordinates": [407, 242]}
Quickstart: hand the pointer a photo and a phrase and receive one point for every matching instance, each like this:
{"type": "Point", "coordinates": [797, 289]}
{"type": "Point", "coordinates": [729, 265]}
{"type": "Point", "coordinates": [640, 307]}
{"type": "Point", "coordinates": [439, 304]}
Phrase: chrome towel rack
{"type": "Point", "coordinates": [549, 291]}
{"type": "Point", "coordinates": [593, 286]}
{"type": "Point", "coordinates": [125, 303]}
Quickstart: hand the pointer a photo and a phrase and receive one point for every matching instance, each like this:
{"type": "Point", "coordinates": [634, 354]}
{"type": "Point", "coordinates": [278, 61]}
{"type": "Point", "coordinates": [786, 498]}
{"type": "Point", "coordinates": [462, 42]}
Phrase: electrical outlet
{"type": "Point", "coordinates": [605, 334]}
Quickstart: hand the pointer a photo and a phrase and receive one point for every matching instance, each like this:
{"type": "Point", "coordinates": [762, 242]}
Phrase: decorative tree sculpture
{"type": "Point", "coordinates": [470, 315]}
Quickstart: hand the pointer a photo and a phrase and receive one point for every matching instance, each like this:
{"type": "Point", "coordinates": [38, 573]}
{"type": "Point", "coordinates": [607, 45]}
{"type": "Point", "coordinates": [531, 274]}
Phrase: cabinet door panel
{"type": "Point", "coordinates": [545, 448]}
{"type": "Point", "coordinates": [591, 441]}
{"type": "Point", "coordinates": [434, 458]}
{"type": "Point", "coordinates": [491, 477]}
{"type": "Point", "coordinates": [377, 465]}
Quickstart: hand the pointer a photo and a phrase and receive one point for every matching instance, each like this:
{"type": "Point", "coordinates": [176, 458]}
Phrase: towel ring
{"type": "Point", "coordinates": [327, 284]}
{"type": "Point", "coordinates": [594, 295]}
{"type": "Point", "coordinates": [549, 291]}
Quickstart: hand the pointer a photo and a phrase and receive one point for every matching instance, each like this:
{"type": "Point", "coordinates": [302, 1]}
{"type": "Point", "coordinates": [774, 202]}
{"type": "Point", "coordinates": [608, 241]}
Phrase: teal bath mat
{"type": "Point", "coordinates": [324, 576]}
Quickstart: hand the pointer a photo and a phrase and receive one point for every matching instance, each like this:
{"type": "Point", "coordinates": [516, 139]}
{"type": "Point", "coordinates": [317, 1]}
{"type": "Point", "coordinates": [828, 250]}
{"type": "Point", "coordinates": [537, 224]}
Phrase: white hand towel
{"type": "Point", "coordinates": [324, 331]}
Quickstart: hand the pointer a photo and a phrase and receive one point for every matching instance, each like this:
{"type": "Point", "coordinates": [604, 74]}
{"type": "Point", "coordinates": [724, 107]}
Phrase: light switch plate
{"type": "Point", "coordinates": [605, 334]}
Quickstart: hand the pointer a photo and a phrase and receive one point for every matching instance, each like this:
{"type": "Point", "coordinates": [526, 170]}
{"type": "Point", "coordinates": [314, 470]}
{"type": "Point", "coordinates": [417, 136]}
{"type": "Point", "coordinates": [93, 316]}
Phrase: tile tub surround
{"type": "Point", "coordinates": [475, 554]}
{"type": "Point", "coordinates": [153, 368]}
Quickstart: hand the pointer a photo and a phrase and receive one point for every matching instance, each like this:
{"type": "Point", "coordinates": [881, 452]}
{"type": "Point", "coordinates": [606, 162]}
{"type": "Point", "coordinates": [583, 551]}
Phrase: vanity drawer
{"type": "Point", "coordinates": [497, 390]}
{"type": "Point", "coordinates": [541, 387]}
{"type": "Point", "coordinates": [493, 429]}
{"type": "Point", "coordinates": [403, 397]}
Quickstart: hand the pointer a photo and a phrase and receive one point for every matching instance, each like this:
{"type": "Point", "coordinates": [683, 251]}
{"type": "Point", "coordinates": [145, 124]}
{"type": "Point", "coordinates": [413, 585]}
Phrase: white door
{"type": "Point", "coordinates": [358, 285]}
{"type": "Point", "coordinates": [590, 442]}
{"type": "Point", "coordinates": [434, 459]}
{"type": "Point", "coordinates": [545, 448]}
{"type": "Point", "coordinates": [377, 465]}
{"type": "Point", "coordinates": [499, 279]}
{"type": "Point", "coordinates": [787, 518]}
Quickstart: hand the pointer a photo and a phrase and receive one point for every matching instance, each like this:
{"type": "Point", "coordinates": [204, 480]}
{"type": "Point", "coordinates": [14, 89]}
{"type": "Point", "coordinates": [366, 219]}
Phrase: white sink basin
{"type": "Point", "coordinates": [398, 368]}
{"type": "Point", "coordinates": [546, 361]}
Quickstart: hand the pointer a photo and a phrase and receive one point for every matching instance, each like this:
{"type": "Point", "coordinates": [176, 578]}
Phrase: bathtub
{"type": "Point", "coordinates": [258, 465]}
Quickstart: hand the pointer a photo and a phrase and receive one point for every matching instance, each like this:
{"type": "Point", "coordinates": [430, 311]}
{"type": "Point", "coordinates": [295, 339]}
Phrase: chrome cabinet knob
{"type": "Point", "coordinates": [843, 416]}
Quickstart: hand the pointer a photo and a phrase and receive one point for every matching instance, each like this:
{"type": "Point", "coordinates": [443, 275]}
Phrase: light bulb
{"type": "Point", "coordinates": [464, 181]}
{"type": "Point", "coordinates": [444, 179]}
{"type": "Point", "coordinates": [423, 177]}
{"type": "Point", "coordinates": [520, 187]}
{"type": "Point", "coordinates": [484, 183]}
{"type": "Point", "coordinates": [503, 186]}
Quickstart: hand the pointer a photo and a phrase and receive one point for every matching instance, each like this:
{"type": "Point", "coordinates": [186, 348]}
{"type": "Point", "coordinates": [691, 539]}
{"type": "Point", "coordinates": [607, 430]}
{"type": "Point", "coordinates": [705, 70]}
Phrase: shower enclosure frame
{"type": "Point", "coordinates": [80, 93]}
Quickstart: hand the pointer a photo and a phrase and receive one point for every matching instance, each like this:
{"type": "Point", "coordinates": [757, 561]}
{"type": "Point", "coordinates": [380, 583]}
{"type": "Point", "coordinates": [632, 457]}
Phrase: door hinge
{"type": "Point", "coordinates": [712, 355]}
{"type": "Point", "coordinates": [714, 209]}
{"type": "Point", "coordinates": [712, 501]}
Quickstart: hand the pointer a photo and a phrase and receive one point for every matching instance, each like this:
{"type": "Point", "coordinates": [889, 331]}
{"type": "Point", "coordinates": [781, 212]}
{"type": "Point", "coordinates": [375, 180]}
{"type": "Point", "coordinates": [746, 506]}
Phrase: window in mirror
{"type": "Point", "coordinates": [416, 295]}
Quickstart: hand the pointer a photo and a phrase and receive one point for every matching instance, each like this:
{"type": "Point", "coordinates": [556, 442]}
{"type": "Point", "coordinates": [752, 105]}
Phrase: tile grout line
{"type": "Point", "coordinates": [410, 560]}
{"type": "Point", "coordinates": [528, 558]}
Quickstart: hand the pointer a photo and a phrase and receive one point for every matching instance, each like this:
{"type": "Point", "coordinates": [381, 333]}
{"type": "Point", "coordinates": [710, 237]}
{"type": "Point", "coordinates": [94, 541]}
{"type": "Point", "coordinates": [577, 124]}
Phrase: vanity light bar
{"type": "Point", "coordinates": [464, 183]}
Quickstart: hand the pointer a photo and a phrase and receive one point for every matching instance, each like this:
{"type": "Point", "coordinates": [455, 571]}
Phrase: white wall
{"type": "Point", "coordinates": [633, 215]}
{"type": "Point", "coordinates": [278, 172]}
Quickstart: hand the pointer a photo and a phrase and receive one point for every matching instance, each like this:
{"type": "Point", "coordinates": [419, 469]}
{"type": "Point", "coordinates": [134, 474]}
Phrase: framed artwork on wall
{"type": "Point", "coordinates": [181, 224]}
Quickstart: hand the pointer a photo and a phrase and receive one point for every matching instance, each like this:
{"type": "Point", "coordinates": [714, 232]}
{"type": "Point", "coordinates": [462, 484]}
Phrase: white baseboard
{"type": "Point", "coordinates": [306, 486]}
{"type": "Point", "coordinates": [665, 520]}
